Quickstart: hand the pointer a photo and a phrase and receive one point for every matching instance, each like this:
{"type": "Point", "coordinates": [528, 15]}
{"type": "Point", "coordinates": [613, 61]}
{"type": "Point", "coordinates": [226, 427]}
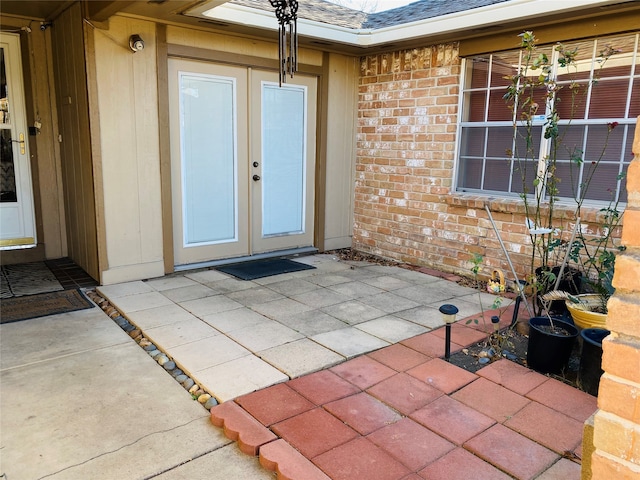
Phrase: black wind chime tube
{"type": "Point", "coordinates": [287, 15]}
{"type": "Point", "coordinates": [294, 45]}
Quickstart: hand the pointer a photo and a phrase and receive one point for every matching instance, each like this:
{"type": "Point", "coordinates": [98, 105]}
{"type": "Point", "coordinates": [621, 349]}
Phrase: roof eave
{"type": "Point", "coordinates": [436, 27]}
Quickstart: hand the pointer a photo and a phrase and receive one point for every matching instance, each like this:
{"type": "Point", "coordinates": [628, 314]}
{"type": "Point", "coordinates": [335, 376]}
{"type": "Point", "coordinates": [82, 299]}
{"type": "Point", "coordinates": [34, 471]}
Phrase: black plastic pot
{"type": "Point", "coordinates": [571, 282]}
{"type": "Point", "coordinates": [549, 352]}
{"type": "Point", "coordinates": [571, 279]}
{"type": "Point", "coordinates": [591, 359]}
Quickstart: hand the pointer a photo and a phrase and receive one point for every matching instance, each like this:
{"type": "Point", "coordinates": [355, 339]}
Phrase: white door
{"type": "Point", "coordinates": [242, 159]}
{"type": "Point", "coordinates": [17, 219]}
{"type": "Point", "coordinates": [283, 159]}
{"type": "Point", "coordinates": [209, 166]}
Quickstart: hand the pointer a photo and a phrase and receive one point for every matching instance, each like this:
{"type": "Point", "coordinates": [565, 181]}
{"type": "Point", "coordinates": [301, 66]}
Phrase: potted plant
{"type": "Point", "coordinates": [535, 98]}
{"type": "Point", "coordinates": [596, 255]}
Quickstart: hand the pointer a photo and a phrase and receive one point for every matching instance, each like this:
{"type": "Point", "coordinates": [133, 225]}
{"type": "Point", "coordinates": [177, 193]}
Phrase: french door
{"type": "Point", "coordinates": [17, 219]}
{"type": "Point", "coordinates": [243, 156]}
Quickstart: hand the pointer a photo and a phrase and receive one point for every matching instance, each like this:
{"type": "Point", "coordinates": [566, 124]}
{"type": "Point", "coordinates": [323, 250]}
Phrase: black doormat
{"type": "Point", "coordinates": [263, 268]}
{"type": "Point", "coordinates": [43, 304]}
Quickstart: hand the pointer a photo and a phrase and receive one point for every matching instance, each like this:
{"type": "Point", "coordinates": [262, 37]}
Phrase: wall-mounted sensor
{"type": "Point", "coordinates": [136, 44]}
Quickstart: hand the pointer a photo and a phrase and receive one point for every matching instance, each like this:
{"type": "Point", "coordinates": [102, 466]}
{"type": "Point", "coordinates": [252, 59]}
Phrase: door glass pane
{"type": "Point", "coordinates": [283, 159]}
{"type": "Point", "coordinates": [207, 110]}
{"type": "Point", "coordinates": [7, 170]}
{"type": "Point", "coordinates": [4, 91]}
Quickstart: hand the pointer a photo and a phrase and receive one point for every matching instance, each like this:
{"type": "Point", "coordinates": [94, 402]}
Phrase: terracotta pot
{"type": "Point", "coordinates": [585, 318]}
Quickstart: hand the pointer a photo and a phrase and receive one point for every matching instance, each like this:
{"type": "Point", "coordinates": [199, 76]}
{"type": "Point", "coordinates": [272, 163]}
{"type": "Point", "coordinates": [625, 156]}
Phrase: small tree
{"type": "Point", "coordinates": [533, 96]}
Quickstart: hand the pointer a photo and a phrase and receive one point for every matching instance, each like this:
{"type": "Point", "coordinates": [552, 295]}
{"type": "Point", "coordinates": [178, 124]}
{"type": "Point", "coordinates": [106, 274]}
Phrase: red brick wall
{"type": "Point", "coordinates": [404, 205]}
{"type": "Point", "coordinates": [617, 423]}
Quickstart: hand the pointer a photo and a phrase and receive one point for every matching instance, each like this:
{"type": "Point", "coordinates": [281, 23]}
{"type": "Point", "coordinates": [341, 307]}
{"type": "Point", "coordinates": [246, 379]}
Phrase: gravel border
{"type": "Point", "coordinates": [165, 361]}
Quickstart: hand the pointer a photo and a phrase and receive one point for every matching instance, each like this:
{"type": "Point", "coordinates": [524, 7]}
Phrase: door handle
{"type": "Point", "coordinates": [21, 142]}
{"type": "Point", "coordinates": [256, 178]}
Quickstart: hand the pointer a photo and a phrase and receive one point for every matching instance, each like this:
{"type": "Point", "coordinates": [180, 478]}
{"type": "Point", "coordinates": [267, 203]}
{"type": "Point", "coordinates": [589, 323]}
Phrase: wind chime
{"type": "Point", "coordinates": [287, 15]}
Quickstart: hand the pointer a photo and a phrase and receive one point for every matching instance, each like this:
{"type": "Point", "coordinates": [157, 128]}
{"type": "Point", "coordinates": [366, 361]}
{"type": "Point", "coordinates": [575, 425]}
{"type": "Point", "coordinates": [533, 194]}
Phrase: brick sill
{"type": "Point", "coordinates": [590, 213]}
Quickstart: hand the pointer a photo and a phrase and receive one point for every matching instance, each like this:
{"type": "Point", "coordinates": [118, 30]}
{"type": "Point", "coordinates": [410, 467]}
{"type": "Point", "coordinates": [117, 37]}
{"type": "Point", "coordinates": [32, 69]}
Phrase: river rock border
{"type": "Point", "coordinates": [166, 362]}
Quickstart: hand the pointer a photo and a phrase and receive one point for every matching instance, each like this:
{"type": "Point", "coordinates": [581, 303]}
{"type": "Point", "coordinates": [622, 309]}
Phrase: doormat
{"type": "Point", "coordinates": [263, 268]}
{"type": "Point", "coordinates": [41, 305]}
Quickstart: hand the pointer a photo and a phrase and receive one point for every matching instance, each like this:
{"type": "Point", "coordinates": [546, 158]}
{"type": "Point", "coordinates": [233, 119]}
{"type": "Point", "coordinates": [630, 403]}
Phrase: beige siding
{"type": "Point", "coordinates": [127, 97]}
{"type": "Point", "coordinates": [46, 147]}
{"type": "Point", "coordinates": [230, 44]}
{"type": "Point", "coordinates": [340, 165]}
{"type": "Point", "coordinates": [73, 119]}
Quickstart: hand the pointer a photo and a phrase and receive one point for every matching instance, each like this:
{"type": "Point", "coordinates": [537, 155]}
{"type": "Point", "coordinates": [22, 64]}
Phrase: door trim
{"type": "Point", "coordinates": [20, 150]}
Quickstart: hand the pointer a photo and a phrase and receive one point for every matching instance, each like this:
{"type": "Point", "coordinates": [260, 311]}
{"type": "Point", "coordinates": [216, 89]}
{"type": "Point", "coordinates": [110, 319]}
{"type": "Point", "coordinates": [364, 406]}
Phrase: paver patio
{"type": "Point", "coordinates": [324, 374]}
{"type": "Point", "coordinates": [346, 425]}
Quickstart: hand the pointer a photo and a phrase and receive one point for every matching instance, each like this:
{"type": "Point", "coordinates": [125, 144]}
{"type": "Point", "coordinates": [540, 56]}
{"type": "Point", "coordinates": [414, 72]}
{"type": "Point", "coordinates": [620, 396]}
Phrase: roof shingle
{"type": "Point", "coordinates": [330, 13]}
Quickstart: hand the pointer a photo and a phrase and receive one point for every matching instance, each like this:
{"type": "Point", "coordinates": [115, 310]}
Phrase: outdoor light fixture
{"type": "Point", "coordinates": [449, 316]}
{"type": "Point", "coordinates": [136, 44]}
{"type": "Point", "coordinates": [287, 15]}
{"type": "Point", "coordinates": [495, 320]}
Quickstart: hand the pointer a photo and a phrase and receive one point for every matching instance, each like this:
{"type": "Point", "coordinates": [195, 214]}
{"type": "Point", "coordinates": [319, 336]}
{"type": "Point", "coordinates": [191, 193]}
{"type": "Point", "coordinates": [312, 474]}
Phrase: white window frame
{"type": "Point", "coordinates": [545, 144]}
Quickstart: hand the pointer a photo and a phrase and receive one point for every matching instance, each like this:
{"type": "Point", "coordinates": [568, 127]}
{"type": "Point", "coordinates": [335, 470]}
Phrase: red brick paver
{"type": "Point", "coordinates": [274, 404]}
{"type": "Point", "coordinates": [562, 470]}
{"type": "Point", "coordinates": [429, 344]}
{"type": "Point", "coordinates": [547, 427]}
{"type": "Point", "coordinates": [442, 375]}
{"type": "Point", "coordinates": [323, 387]}
{"type": "Point", "coordinates": [513, 376]}
{"type": "Point", "coordinates": [564, 398]}
{"type": "Point", "coordinates": [460, 464]}
{"type": "Point", "coordinates": [399, 357]}
{"type": "Point", "coordinates": [363, 372]}
{"type": "Point", "coordinates": [404, 393]}
{"type": "Point", "coordinates": [399, 414]}
{"type": "Point", "coordinates": [360, 459]}
{"type": "Point", "coordinates": [288, 463]}
{"type": "Point", "coordinates": [452, 420]}
{"type": "Point", "coordinates": [461, 334]}
{"type": "Point", "coordinates": [493, 400]}
{"type": "Point", "coordinates": [511, 452]}
{"type": "Point", "coordinates": [314, 432]}
{"type": "Point", "coordinates": [412, 444]}
{"type": "Point", "coordinates": [362, 412]}
{"type": "Point", "coordinates": [238, 425]}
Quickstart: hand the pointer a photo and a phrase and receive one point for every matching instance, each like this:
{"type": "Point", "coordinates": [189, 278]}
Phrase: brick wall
{"type": "Point", "coordinates": [404, 206]}
{"type": "Point", "coordinates": [617, 423]}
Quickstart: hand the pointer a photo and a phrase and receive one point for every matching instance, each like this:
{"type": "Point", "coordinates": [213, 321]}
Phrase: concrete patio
{"type": "Point", "coordinates": [234, 336]}
{"type": "Point", "coordinates": [80, 400]}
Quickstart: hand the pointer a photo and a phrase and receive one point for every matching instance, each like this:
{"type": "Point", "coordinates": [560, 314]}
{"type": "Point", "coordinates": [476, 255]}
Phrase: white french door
{"type": "Point", "coordinates": [17, 218]}
{"type": "Point", "coordinates": [242, 156]}
{"type": "Point", "coordinates": [283, 158]}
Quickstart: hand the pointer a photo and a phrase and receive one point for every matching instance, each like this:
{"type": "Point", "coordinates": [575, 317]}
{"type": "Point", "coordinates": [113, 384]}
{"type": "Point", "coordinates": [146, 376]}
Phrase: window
{"type": "Point", "coordinates": [487, 148]}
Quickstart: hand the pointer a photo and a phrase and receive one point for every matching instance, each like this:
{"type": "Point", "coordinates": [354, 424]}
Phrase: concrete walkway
{"type": "Point", "coordinates": [80, 400]}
